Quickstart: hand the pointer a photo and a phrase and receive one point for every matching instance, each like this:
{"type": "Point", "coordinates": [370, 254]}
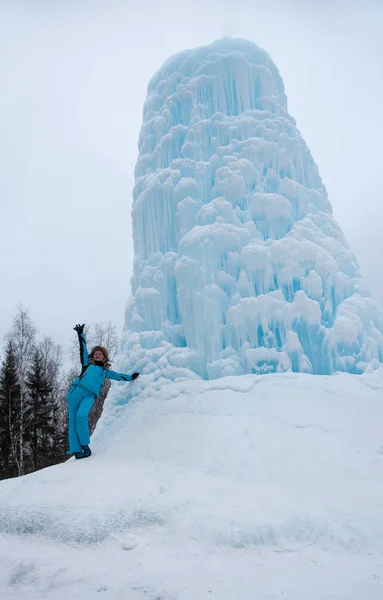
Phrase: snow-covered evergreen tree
{"type": "Point", "coordinates": [9, 416]}
{"type": "Point", "coordinates": [41, 426]}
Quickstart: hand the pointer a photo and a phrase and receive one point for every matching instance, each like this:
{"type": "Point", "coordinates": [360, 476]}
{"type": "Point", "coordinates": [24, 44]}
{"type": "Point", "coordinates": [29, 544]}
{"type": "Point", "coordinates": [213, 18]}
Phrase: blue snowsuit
{"type": "Point", "coordinates": [82, 394]}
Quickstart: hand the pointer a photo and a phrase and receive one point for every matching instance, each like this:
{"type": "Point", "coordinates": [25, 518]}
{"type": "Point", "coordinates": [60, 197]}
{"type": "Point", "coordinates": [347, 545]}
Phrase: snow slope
{"type": "Point", "coordinates": [243, 488]}
{"type": "Point", "coordinates": [239, 264]}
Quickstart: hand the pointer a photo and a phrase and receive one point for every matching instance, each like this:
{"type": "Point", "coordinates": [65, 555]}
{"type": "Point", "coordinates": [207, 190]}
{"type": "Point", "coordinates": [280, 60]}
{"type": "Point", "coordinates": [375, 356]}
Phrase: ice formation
{"type": "Point", "coordinates": [239, 264]}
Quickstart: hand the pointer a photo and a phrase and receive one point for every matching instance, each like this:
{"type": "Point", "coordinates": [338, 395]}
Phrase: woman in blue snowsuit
{"type": "Point", "coordinates": [84, 391]}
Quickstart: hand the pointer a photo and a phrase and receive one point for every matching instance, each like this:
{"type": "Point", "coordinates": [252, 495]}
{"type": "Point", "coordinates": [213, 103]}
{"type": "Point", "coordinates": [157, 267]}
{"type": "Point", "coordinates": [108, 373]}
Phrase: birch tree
{"type": "Point", "coordinates": [22, 336]}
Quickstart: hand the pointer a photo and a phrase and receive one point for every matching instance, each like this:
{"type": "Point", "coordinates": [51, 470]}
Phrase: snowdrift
{"type": "Point", "coordinates": [247, 488]}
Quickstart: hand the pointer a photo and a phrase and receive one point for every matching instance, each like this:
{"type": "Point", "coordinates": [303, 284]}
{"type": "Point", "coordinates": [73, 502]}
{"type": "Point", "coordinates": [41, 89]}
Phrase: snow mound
{"type": "Point", "coordinates": [236, 248]}
{"type": "Point", "coordinates": [243, 487]}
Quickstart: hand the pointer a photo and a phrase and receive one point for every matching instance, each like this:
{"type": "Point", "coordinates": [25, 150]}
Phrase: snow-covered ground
{"type": "Point", "coordinates": [248, 488]}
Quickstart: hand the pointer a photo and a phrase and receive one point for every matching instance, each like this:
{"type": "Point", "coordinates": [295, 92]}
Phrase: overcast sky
{"type": "Point", "coordinates": [73, 78]}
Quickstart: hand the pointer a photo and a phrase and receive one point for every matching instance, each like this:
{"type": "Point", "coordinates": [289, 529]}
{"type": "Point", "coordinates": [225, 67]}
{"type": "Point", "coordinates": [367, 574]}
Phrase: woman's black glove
{"type": "Point", "coordinates": [134, 376]}
{"type": "Point", "coordinates": [79, 328]}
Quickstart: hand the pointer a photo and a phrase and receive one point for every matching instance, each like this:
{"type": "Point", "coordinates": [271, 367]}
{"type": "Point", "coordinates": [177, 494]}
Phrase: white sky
{"type": "Point", "coordinates": [73, 77]}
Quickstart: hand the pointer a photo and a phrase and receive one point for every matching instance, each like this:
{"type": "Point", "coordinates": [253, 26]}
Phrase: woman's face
{"type": "Point", "coordinates": [98, 356]}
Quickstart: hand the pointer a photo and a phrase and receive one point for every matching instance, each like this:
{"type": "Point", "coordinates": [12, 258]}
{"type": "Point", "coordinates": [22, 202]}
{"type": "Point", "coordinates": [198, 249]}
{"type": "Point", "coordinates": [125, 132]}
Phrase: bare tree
{"type": "Point", "coordinates": [99, 334]}
{"type": "Point", "coordinates": [52, 359]}
{"type": "Point", "coordinates": [105, 335]}
{"type": "Point", "coordinates": [22, 336]}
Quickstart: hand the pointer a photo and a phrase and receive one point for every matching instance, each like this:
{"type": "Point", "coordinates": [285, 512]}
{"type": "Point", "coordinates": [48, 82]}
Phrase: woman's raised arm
{"type": "Point", "coordinates": [82, 342]}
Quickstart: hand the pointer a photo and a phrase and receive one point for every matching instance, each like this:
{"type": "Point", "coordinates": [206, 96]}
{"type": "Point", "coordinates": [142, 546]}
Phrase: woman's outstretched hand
{"type": "Point", "coordinates": [79, 328]}
{"type": "Point", "coordinates": [134, 376]}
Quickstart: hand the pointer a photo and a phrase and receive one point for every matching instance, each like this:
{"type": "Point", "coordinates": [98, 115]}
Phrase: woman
{"type": "Point", "coordinates": [84, 391]}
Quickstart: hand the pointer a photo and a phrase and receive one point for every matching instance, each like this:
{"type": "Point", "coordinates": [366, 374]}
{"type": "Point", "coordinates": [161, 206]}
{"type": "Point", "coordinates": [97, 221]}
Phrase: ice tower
{"type": "Point", "coordinates": [239, 264]}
